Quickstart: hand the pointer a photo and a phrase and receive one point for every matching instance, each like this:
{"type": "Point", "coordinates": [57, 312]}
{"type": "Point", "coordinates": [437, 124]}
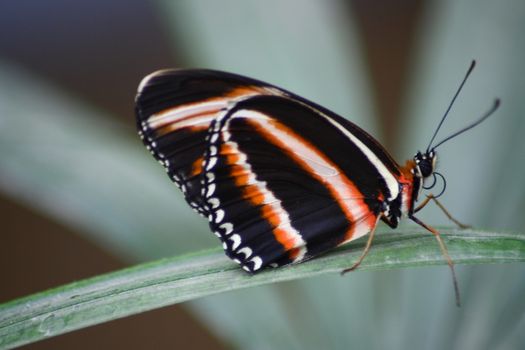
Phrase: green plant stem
{"type": "Point", "coordinates": [174, 280]}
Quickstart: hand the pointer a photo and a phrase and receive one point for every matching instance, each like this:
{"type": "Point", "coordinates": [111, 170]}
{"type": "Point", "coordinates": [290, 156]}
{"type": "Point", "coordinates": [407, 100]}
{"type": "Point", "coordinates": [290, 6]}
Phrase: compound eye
{"type": "Point", "coordinates": [426, 168]}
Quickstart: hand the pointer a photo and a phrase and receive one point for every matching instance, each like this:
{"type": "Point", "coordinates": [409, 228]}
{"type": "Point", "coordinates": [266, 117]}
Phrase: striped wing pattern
{"type": "Point", "coordinates": [174, 110]}
{"type": "Point", "coordinates": [280, 179]}
{"type": "Point", "coordinates": [275, 196]}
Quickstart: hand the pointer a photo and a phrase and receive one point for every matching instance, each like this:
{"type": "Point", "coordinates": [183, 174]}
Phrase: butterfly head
{"type": "Point", "coordinates": [425, 167]}
{"type": "Point", "coordinates": [425, 163]}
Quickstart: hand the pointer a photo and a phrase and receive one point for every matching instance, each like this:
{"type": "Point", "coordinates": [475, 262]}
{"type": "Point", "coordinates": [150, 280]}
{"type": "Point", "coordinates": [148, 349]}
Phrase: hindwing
{"type": "Point", "coordinates": [276, 193]}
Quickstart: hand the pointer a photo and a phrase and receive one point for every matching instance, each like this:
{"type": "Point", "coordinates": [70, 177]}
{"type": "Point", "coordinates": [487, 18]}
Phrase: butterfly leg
{"type": "Point", "coordinates": [444, 251]}
{"type": "Point", "coordinates": [449, 216]}
{"type": "Point", "coordinates": [363, 255]}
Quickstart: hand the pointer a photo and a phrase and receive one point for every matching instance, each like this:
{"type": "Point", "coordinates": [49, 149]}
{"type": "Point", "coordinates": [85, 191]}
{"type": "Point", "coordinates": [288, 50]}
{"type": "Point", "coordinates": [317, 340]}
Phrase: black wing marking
{"type": "Point", "coordinates": [278, 195]}
{"type": "Point", "coordinates": [189, 120]}
{"type": "Point", "coordinates": [174, 110]}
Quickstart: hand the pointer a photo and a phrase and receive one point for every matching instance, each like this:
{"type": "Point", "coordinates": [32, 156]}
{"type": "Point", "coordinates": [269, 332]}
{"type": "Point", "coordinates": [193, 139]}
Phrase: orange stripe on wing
{"type": "Point", "coordinates": [196, 167]}
{"type": "Point", "coordinates": [249, 90]}
{"type": "Point", "coordinates": [232, 157]}
{"type": "Point", "coordinates": [344, 191]}
{"type": "Point", "coordinates": [201, 112]}
{"type": "Point", "coordinates": [255, 193]}
{"type": "Point", "coordinates": [194, 122]}
{"type": "Point", "coordinates": [187, 114]}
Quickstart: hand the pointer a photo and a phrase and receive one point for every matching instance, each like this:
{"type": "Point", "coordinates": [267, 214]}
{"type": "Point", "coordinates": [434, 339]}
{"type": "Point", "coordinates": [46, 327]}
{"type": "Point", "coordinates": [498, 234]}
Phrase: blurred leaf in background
{"type": "Point", "coordinates": [90, 173]}
{"type": "Point", "coordinates": [78, 166]}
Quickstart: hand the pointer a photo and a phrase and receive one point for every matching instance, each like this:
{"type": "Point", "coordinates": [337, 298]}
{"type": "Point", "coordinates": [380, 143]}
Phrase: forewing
{"type": "Point", "coordinates": [174, 110]}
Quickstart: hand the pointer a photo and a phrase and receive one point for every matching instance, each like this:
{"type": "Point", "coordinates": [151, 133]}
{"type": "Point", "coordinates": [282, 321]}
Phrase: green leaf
{"type": "Point", "coordinates": [174, 280]}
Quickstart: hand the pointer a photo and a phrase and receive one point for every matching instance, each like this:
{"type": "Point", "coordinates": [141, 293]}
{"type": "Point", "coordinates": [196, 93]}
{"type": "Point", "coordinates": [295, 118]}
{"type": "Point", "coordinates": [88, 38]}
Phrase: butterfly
{"type": "Point", "coordinates": [280, 179]}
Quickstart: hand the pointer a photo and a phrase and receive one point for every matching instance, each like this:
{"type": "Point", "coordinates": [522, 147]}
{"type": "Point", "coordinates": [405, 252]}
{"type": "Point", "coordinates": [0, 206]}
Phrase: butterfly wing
{"type": "Point", "coordinates": [174, 109]}
{"type": "Point", "coordinates": [285, 182]}
{"type": "Point", "coordinates": [280, 178]}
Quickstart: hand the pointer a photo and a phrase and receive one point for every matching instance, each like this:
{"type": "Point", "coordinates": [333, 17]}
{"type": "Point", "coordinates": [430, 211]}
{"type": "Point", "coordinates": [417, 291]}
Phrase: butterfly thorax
{"type": "Point", "coordinates": [421, 167]}
{"type": "Point", "coordinates": [411, 181]}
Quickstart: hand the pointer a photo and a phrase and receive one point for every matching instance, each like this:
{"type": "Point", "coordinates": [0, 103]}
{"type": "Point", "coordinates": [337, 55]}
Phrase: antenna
{"type": "Point", "coordinates": [472, 65]}
{"type": "Point", "coordinates": [496, 105]}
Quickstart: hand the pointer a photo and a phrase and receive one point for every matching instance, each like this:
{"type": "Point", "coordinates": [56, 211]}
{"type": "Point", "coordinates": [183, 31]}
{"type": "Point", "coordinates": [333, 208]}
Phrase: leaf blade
{"type": "Point", "coordinates": [168, 281]}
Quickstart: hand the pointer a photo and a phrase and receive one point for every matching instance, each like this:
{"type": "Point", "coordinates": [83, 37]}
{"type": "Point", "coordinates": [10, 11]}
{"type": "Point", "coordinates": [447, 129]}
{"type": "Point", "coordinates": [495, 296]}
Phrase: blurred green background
{"type": "Point", "coordinates": [79, 195]}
